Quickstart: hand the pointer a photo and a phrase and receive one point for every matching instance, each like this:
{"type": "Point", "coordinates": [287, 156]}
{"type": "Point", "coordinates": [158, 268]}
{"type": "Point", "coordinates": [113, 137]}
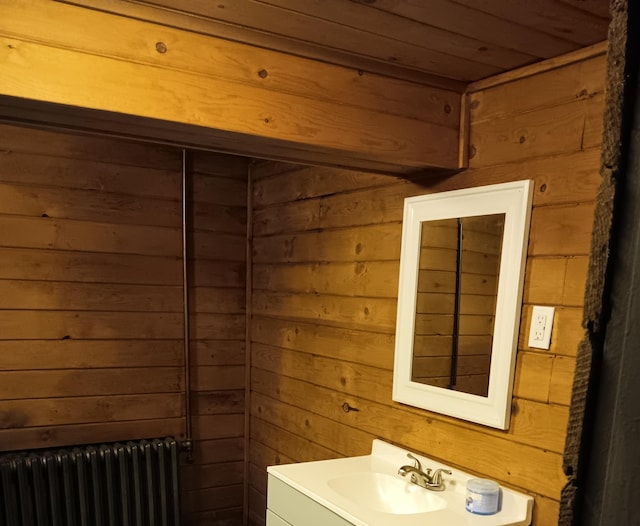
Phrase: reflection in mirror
{"type": "Point", "coordinates": [459, 298]}
{"type": "Point", "coordinates": [457, 288]}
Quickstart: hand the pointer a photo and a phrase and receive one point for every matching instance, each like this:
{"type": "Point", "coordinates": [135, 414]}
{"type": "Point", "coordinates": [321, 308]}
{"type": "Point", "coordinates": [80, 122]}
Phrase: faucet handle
{"type": "Point", "coordinates": [417, 464]}
{"type": "Point", "coordinates": [436, 478]}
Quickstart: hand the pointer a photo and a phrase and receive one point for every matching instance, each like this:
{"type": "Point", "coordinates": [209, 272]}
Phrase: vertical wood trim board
{"type": "Point", "coordinates": [247, 355]}
{"type": "Point", "coordinates": [325, 262]}
{"type": "Point", "coordinates": [213, 488]}
{"type": "Point", "coordinates": [91, 304]}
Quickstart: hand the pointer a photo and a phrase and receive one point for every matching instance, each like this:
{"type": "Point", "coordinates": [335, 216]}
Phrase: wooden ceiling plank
{"type": "Point", "coordinates": [242, 63]}
{"type": "Point", "coordinates": [481, 26]}
{"type": "Point", "coordinates": [258, 39]}
{"type": "Point", "coordinates": [547, 16]}
{"type": "Point", "coordinates": [534, 69]}
{"type": "Point", "coordinates": [366, 18]}
{"type": "Point", "coordinates": [325, 33]}
{"type": "Point", "coordinates": [73, 73]}
{"type": "Point", "coordinates": [596, 7]}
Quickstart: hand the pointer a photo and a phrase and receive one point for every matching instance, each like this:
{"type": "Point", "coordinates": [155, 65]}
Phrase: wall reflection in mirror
{"type": "Point", "coordinates": [459, 297]}
{"type": "Point", "coordinates": [457, 287]}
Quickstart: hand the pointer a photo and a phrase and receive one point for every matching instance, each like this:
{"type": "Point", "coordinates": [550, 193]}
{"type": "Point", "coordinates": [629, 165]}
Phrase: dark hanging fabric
{"type": "Point", "coordinates": [596, 307]}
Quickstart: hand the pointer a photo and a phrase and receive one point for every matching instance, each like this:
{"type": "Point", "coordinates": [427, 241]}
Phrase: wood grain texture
{"type": "Point", "coordinates": [49, 265]}
{"type": "Point", "coordinates": [480, 24]}
{"type": "Point", "coordinates": [580, 80]}
{"type": "Point", "coordinates": [31, 355]}
{"type": "Point", "coordinates": [391, 36]}
{"type": "Point", "coordinates": [110, 431]}
{"type": "Point", "coordinates": [549, 16]}
{"type": "Point", "coordinates": [313, 348]}
{"type": "Point", "coordinates": [558, 62]}
{"type": "Point", "coordinates": [287, 72]}
{"type": "Point", "coordinates": [189, 85]}
{"type": "Point", "coordinates": [91, 305]}
{"type": "Point", "coordinates": [217, 302]}
{"type": "Point", "coordinates": [61, 164]}
{"type": "Point", "coordinates": [409, 39]}
{"type": "Point", "coordinates": [76, 119]}
{"type": "Point", "coordinates": [372, 279]}
{"type": "Point", "coordinates": [317, 181]}
{"type": "Point", "coordinates": [538, 133]}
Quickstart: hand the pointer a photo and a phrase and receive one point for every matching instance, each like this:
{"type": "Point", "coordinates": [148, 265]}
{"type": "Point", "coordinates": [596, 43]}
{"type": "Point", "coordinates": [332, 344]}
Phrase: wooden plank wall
{"type": "Point", "coordinates": [481, 245]}
{"type": "Point", "coordinates": [90, 290]}
{"type": "Point", "coordinates": [435, 303]}
{"type": "Point", "coordinates": [91, 308]}
{"type": "Point", "coordinates": [326, 255]}
{"type": "Point", "coordinates": [435, 306]}
{"type": "Point", "coordinates": [213, 483]}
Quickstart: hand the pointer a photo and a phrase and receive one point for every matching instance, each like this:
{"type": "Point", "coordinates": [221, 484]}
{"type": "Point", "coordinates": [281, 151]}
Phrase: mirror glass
{"type": "Point", "coordinates": [459, 299]}
{"type": "Point", "coordinates": [457, 289]}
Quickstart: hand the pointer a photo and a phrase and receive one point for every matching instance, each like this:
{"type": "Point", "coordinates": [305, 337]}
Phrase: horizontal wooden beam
{"type": "Point", "coordinates": [25, 112]}
{"type": "Point", "coordinates": [98, 61]}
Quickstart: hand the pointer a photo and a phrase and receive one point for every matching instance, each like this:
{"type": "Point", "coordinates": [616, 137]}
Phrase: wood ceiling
{"type": "Point", "coordinates": [458, 40]}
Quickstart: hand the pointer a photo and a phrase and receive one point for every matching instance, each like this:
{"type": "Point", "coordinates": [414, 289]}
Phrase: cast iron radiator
{"type": "Point", "coordinates": [132, 484]}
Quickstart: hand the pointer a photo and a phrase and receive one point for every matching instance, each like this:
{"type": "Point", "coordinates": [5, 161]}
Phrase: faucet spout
{"type": "Point", "coordinates": [417, 476]}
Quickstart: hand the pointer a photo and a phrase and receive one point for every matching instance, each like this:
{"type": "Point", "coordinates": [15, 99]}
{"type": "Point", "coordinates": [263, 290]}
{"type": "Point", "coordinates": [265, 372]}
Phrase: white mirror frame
{"type": "Point", "coordinates": [514, 200]}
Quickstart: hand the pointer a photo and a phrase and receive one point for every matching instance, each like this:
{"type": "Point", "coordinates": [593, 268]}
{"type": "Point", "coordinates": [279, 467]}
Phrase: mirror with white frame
{"type": "Point", "coordinates": [459, 298]}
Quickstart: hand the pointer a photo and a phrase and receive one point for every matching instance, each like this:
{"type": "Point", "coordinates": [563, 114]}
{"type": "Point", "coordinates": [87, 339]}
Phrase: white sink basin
{"type": "Point", "coordinates": [368, 491]}
{"type": "Point", "coordinates": [386, 493]}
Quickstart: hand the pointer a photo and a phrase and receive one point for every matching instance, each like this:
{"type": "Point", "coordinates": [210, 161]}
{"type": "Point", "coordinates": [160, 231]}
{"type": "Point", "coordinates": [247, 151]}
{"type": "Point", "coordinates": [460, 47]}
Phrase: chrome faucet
{"type": "Point", "coordinates": [424, 479]}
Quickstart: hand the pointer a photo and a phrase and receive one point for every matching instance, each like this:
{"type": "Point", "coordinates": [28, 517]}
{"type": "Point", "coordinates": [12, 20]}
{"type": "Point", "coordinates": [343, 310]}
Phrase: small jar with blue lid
{"type": "Point", "coordinates": [483, 496]}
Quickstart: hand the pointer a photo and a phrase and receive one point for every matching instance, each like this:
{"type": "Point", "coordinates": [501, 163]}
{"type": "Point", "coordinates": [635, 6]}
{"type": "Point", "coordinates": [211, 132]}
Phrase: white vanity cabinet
{"type": "Point", "coordinates": [286, 506]}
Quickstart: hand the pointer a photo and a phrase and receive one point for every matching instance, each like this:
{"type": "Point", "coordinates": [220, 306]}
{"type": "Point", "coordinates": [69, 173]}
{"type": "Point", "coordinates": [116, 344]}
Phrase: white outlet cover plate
{"type": "Point", "coordinates": [540, 332]}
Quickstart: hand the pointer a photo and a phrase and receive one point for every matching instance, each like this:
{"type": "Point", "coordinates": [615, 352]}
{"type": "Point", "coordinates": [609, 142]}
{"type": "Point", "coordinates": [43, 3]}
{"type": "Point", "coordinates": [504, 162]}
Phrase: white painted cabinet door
{"type": "Point", "coordinates": [296, 509]}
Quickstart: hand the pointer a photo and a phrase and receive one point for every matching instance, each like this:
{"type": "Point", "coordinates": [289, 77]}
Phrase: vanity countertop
{"type": "Point", "coordinates": [340, 484]}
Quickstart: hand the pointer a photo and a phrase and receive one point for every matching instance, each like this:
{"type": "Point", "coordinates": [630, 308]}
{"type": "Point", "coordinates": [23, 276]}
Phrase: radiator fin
{"type": "Point", "coordinates": [132, 484]}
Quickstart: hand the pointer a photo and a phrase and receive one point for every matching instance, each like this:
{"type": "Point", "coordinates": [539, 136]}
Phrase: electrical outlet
{"type": "Point", "coordinates": [540, 328]}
